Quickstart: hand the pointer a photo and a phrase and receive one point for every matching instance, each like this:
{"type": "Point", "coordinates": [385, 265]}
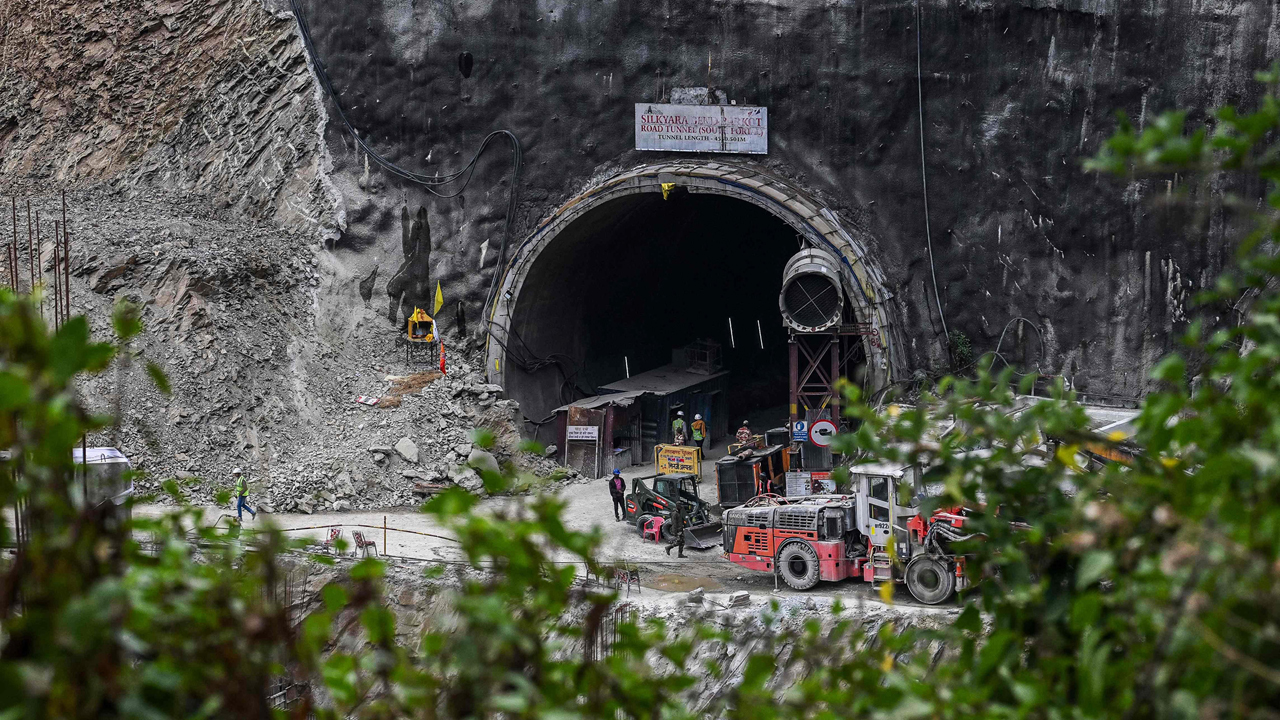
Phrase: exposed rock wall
{"type": "Point", "coordinates": [212, 99]}
{"type": "Point", "coordinates": [1014, 94]}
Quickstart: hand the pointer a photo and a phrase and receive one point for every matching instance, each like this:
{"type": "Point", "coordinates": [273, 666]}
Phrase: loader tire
{"type": "Point", "coordinates": [798, 565]}
{"type": "Point", "coordinates": [641, 520]}
{"type": "Point", "coordinates": [930, 580]}
{"type": "Point", "coordinates": [668, 532]}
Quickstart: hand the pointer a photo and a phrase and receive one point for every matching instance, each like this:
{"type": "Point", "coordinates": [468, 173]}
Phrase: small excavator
{"type": "Point", "coordinates": [645, 503]}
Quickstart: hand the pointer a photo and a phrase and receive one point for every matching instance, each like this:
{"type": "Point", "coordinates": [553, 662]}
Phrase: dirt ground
{"type": "Point", "coordinates": [413, 535]}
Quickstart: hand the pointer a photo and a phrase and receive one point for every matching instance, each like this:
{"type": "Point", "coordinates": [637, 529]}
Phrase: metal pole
{"type": "Point", "coordinates": [10, 257]}
{"type": "Point", "coordinates": [31, 260]}
{"type": "Point", "coordinates": [66, 259]}
{"type": "Point", "coordinates": [15, 244]}
{"type": "Point", "coordinates": [39, 252]}
{"type": "Point", "coordinates": [793, 359]}
{"type": "Point", "coordinates": [84, 457]}
{"type": "Point", "coordinates": [66, 270]}
{"type": "Point", "coordinates": [835, 378]}
{"type": "Point", "coordinates": [384, 535]}
{"type": "Point", "coordinates": [57, 279]}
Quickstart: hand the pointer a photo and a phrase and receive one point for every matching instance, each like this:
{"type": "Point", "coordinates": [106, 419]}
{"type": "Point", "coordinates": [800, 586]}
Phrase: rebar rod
{"type": "Point", "coordinates": [13, 249]}
{"type": "Point", "coordinates": [31, 261]}
{"type": "Point", "coordinates": [39, 258]}
{"type": "Point", "coordinates": [57, 280]}
{"type": "Point", "coordinates": [66, 259]}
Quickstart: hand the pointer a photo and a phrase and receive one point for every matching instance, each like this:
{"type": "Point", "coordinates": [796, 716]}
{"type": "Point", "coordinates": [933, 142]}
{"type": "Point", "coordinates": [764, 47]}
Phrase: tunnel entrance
{"type": "Point", "coordinates": [624, 277]}
{"type": "Point", "coordinates": [638, 278]}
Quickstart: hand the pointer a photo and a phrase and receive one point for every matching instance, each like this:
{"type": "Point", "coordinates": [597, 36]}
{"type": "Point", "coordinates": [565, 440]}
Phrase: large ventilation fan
{"type": "Point", "coordinates": [811, 298]}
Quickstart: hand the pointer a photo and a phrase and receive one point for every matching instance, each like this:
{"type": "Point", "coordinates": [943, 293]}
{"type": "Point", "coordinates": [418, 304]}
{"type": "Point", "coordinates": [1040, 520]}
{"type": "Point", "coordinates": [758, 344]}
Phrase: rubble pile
{"type": "Point", "coordinates": [446, 415]}
{"type": "Point", "coordinates": [260, 380]}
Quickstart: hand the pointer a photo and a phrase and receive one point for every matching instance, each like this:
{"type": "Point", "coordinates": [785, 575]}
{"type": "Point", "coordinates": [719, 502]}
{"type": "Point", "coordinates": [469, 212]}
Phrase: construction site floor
{"type": "Point", "coordinates": [414, 535]}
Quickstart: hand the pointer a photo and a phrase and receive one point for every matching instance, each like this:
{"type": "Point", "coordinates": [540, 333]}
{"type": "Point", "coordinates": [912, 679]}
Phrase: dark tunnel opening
{"type": "Point", "coordinates": [638, 277]}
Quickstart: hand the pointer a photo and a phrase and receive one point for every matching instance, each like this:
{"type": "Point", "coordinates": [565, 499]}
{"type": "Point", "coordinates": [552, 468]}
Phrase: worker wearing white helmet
{"type": "Point", "coordinates": [242, 495]}
{"type": "Point", "coordinates": [679, 429]}
{"type": "Point", "coordinates": [699, 428]}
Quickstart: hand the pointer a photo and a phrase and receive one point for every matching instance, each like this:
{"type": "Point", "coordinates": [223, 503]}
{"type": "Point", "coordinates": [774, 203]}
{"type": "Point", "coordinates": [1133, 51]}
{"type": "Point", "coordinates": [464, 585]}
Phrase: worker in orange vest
{"type": "Point", "coordinates": [699, 428]}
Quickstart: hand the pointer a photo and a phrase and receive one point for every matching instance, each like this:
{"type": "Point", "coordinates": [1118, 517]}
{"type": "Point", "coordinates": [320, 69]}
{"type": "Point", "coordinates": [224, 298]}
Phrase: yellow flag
{"type": "Point", "coordinates": [666, 189]}
{"type": "Point", "coordinates": [439, 299]}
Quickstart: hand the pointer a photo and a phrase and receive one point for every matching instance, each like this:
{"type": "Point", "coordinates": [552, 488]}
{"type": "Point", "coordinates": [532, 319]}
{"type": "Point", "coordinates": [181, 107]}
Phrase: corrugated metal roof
{"type": "Point", "coordinates": [662, 381]}
{"type": "Point", "coordinates": [622, 399]}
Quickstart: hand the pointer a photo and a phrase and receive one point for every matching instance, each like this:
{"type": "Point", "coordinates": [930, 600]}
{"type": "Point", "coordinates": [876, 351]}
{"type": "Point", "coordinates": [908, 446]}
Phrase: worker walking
{"type": "Point", "coordinates": [744, 433]}
{"type": "Point", "coordinates": [616, 489]}
{"type": "Point", "coordinates": [699, 428]}
{"type": "Point", "coordinates": [679, 429]}
{"type": "Point", "coordinates": [677, 520]}
{"type": "Point", "coordinates": [242, 496]}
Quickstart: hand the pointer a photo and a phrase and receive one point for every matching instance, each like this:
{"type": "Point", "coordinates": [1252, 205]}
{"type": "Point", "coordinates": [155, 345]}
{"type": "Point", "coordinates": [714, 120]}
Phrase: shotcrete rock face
{"type": "Point", "coordinates": [640, 276]}
{"type": "Point", "coordinates": [1013, 95]}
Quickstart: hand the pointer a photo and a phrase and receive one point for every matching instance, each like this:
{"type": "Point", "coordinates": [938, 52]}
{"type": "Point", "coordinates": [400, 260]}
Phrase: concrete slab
{"type": "Point", "coordinates": [775, 193]}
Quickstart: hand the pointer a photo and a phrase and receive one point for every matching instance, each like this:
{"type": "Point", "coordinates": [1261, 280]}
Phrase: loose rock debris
{"type": "Point", "coordinates": [263, 373]}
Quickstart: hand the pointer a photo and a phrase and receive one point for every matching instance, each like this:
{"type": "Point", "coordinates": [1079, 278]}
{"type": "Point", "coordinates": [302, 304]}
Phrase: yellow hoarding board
{"type": "Point", "coordinates": [671, 459]}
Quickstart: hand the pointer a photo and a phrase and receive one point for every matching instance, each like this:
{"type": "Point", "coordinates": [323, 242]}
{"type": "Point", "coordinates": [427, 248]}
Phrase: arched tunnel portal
{"type": "Point", "coordinates": [621, 276]}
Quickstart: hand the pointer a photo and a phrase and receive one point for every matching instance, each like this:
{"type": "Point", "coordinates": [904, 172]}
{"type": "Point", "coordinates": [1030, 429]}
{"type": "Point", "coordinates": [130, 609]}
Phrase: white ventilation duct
{"type": "Point", "coordinates": [811, 299]}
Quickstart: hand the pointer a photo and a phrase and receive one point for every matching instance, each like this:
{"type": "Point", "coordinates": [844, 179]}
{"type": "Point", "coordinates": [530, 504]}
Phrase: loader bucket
{"type": "Point", "coordinates": [703, 537]}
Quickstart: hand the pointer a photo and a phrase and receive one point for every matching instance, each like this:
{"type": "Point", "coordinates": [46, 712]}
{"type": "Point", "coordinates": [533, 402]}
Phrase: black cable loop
{"type": "Point", "coordinates": [427, 182]}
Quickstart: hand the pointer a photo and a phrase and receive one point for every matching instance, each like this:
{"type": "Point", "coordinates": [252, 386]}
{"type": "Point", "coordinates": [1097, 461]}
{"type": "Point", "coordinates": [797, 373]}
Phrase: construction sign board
{"type": "Point", "coordinates": [798, 484]}
{"type": "Point", "coordinates": [821, 482]}
{"type": "Point", "coordinates": [669, 459]}
{"type": "Point", "coordinates": [702, 128]}
{"type": "Point", "coordinates": [800, 432]}
{"type": "Point", "coordinates": [582, 432]}
{"type": "Point", "coordinates": [822, 432]}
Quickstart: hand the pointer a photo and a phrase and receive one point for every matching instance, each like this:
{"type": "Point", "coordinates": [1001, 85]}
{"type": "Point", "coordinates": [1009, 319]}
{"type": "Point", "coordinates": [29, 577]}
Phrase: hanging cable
{"type": "Point", "coordinates": [427, 182]}
{"type": "Point", "coordinates": [924, 182]}
{"type": "Point", "coordinates": [1035, 327]}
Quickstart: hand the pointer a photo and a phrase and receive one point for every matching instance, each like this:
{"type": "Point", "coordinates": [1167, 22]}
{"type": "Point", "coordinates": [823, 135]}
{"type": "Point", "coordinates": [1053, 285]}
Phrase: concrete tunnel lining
{"type": "Point", "coordinates": [815, 224]}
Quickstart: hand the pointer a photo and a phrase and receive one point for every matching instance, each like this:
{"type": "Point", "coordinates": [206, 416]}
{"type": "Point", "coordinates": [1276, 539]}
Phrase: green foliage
{"type": "Point", "coordinates": [1147, 589]}
{"type": "Point", "coordinates": [961, 349]}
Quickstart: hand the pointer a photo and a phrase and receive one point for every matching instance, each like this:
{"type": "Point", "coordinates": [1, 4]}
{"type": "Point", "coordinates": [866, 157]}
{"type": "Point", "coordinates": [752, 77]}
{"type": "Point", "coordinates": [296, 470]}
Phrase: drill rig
{"type": "Point", "coordinates": [833, 537]}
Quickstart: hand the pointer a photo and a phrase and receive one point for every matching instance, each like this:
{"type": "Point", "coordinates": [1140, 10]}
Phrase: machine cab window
{"type": "Point", "coordinates": [879, 490]}
{"type": "Point", "coordinates": [673, 486]}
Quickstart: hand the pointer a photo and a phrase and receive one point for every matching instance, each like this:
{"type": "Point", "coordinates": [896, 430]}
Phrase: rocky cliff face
{"type": "Point", "coordinates": [189, 135]}
{"type": "Point", "coordinates": [194, 137]}
{"type": "Point", "coordinates": [212, 99]}
{"type": "Point", "coordinates": [1014, 94]}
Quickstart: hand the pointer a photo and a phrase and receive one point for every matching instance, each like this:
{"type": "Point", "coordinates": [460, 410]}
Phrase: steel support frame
{"type": "Point", "coordinates": [817, 362]}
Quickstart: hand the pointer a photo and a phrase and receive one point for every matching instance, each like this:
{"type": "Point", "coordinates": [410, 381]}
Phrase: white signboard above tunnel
{"type": "Point", "coordinates": [702, 128]}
